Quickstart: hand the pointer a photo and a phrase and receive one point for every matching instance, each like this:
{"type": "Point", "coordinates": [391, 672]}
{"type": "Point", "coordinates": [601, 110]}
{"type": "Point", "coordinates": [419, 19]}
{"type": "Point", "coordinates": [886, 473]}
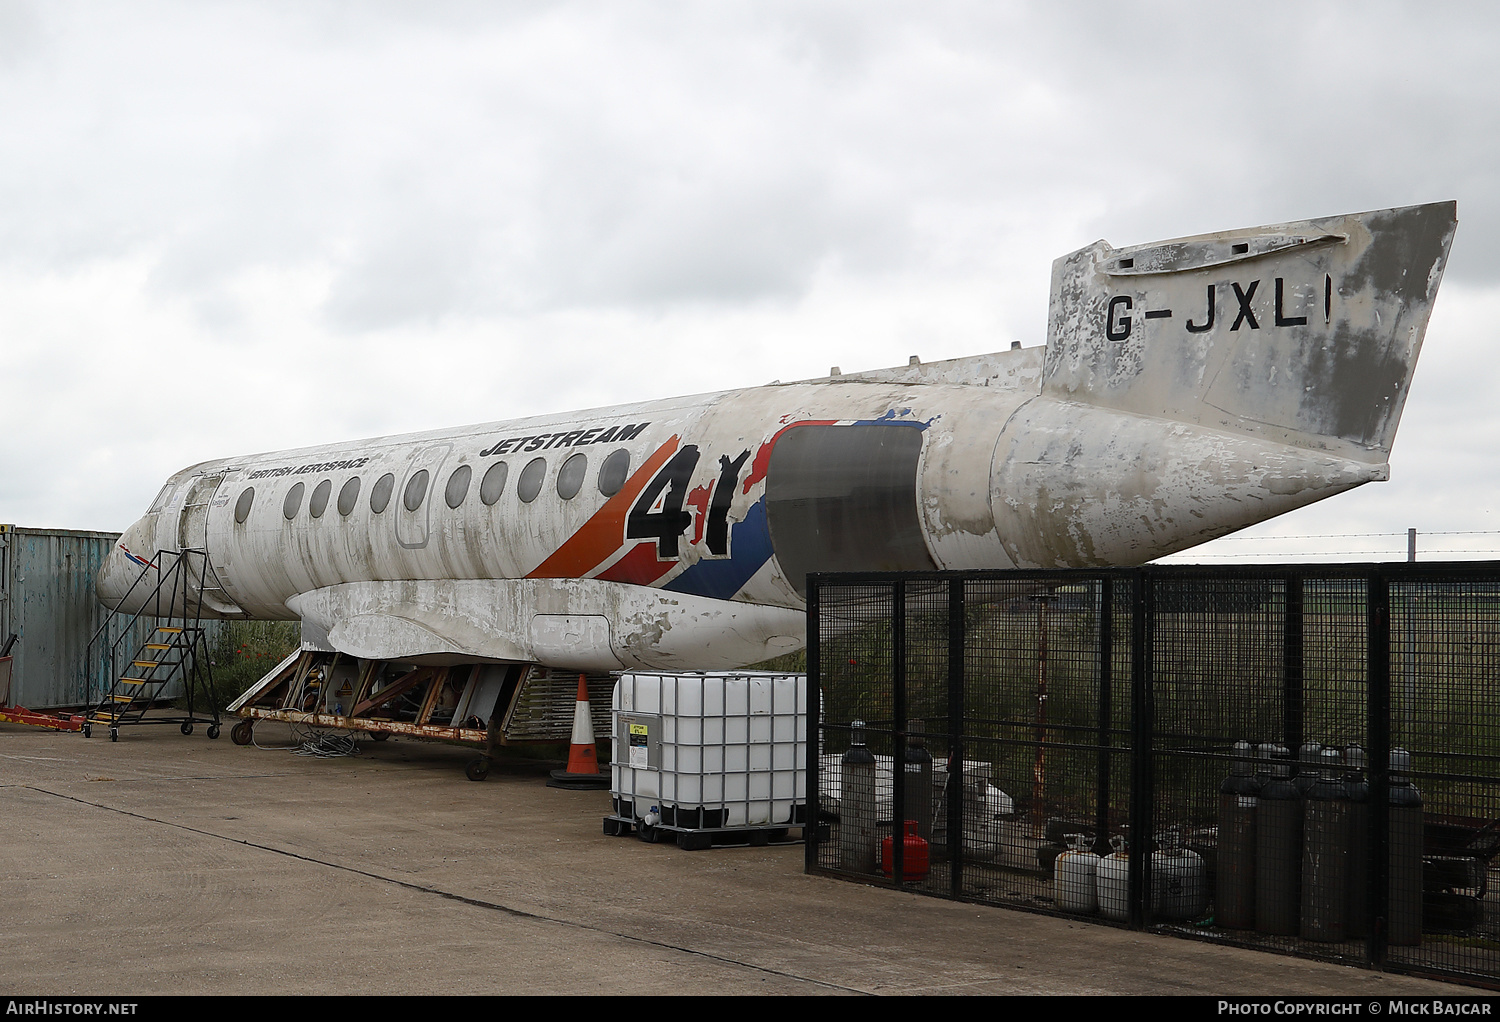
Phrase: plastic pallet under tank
{"type": "Point", "coordinates": [709, 758]}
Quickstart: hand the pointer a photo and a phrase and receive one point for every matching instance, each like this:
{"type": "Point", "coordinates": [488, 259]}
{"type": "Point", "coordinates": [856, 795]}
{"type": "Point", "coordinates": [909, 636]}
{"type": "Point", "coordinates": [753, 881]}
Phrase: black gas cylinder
{"type": "Point", "coordinates": [858, 841]}
{"type": "Point", "coordinates": [1234, 893]}
{"type": "Point", "coordinates": [917, 783]}
{"type": "Point", "coordinates": [1404, 864]}
{"type": "Point", "coordinates": [1356, 905]}
{"type": "Point", "coordinates": [1278, 850]}
{"type": "Point", "coordinates": [1325, 852]}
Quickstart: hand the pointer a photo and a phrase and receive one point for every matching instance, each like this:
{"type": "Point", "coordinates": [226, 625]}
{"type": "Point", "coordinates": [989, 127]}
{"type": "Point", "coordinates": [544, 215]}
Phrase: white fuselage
{"type": "Point", "coordinates": [679, 534]}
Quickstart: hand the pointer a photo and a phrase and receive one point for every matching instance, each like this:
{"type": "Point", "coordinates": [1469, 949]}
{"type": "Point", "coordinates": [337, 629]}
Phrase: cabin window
{"type": "Point", "coordinates": [161, 499]}
{"type": "Point", "coordinates": [613, 472]}
{"type": "Point", "coordinates": [348, 495]}
{"type": "Point", "coordinates": [493, 483]}
{"type": "Point", "coordinates": [416, 489]}
{"type": "Point", "coordinates": [320, 495]}
{"type": "Point", "coordinates": [380, 493]}
{"type": "Point", "coordinates": [293, 501]}
{"type": "Point", "coordinates": [458, 486]}
{"type": "Point", "coordinates": [530, 482]}
{"type": "Point", "coordinates": [570, 476]}
{"type": "Point", "coordinates": [844, 498]}
{"type": "Point", "coordinates": [242, 506]}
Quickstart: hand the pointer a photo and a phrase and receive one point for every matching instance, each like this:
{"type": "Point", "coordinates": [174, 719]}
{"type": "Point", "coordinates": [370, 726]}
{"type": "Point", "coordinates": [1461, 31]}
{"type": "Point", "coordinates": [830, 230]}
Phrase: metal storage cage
{"type": "Point", "coordinates": [1302, 758]}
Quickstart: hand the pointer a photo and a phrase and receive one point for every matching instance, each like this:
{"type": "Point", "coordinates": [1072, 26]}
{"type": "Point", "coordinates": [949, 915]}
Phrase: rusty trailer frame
{"type": "Point", "coordinates": [484, 704]}
{"type": "Point", "coordinates": [20, 714]}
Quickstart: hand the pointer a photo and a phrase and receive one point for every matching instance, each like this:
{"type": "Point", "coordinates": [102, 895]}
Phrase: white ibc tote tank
{"type": "Point", "coordinates": [732, 743]}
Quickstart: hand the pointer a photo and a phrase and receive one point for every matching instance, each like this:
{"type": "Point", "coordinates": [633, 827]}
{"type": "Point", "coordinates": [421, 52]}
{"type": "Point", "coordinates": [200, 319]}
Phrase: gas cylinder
{"type": "Point", "coordinates": [914, 863]}
{"type": "Point", "coordinates": [1356, 909]}
{"type": "Point", "coordinates": [1238, 796]}
{"type": "Point", "coordinates": [1112, 881]}
{"type": "Point", "coordinates": [1278, 849]}
{"type": "Point", "coordinates": [1075, 876]}
{"type": "Point", "coordinates": [1325, 852]}
{"type": "Point", "coordinates": [857, 838]}
{"type": "Point", "coordinates": [1309, 764]}
{"type": "Point", "coordinates": [917, 788]}
{"type": "Point", "coordinates": [1263, 761]}
{"type": "Point", "coordinates": [1178, 887]}
{"type": "Point", "coordinates": [1404, 869]}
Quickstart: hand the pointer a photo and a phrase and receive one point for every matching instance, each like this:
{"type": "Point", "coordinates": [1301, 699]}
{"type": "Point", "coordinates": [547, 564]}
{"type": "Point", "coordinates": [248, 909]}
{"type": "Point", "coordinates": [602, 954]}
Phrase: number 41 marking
{"type": "Point", "coordinates": [668, 524]}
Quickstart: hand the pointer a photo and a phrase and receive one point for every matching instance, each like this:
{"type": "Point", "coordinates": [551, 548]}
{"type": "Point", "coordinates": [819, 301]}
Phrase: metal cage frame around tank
{"type": "Point", "coordinates": [1107, 702]}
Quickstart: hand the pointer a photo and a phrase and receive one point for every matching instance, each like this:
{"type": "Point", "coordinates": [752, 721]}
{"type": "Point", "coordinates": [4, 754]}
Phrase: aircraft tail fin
{"type": "Point", "coordinates": [1303, 333]}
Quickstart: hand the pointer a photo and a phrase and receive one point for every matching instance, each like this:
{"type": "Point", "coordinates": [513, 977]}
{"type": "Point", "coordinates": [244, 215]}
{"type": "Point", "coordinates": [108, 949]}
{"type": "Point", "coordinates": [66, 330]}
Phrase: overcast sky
{"type": "Point", "coordinates": [229, 228]}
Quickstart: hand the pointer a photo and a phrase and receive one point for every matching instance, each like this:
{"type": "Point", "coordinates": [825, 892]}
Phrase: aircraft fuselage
{"type": "Point", "coordinates": [1187, 390]}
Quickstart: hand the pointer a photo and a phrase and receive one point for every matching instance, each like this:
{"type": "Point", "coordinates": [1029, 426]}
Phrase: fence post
{"type": "Point", "coordinates": [813, 819]}
{"type": "Point", "coordinates": [1103, 764]}
{"type": "Point", "coordinates": [955, 823]}
{"type": "Point", "coordinates": [1292, 670]}
{"type": "Point", "coordinates": [1142, 768]}
{"type": "Point", "coordinates": [898, 732]}
{"type": "Point", "coordinates": [1378, 717]}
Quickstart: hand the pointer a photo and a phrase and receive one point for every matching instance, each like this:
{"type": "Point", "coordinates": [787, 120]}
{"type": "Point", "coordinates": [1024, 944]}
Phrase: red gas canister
{"type": "Point", "coordinates": [913, 853]}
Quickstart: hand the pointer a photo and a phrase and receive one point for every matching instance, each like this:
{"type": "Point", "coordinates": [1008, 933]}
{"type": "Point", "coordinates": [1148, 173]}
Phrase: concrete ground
{"type": "Point", "coordinates": [166, 864]}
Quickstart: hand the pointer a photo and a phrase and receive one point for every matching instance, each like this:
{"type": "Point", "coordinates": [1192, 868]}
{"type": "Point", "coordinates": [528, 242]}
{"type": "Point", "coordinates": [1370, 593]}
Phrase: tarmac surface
{"type": "Point", "coordinates": [171, 864]}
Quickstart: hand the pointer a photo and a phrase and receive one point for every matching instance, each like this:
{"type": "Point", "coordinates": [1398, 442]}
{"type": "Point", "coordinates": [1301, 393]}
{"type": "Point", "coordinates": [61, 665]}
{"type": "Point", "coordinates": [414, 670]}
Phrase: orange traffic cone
{"type": "Point", "coordinates": [583, 765]}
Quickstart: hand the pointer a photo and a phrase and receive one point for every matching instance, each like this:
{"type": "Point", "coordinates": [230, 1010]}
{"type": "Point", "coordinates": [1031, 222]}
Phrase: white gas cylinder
{"type": "Point", "coordinates": [1113, 880]}
{"type": "Point", "coordinates": [1075, 878]}
{"type": "Point", "coordinates": [1179, 889]}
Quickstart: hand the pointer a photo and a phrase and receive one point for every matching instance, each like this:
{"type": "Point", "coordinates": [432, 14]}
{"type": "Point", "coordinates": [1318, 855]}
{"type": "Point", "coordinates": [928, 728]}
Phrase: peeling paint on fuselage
{"type": "Point", "coordinates": [1187, 389]}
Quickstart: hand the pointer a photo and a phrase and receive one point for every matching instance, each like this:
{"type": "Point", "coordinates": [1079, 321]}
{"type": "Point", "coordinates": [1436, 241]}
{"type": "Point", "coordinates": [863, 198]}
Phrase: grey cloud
{"type": "Point", "coordinates": [415, 272]}
{"type": "Point", "coordinates": [681, 153]}
{"type": "Point", "coordinates": [473, 159]}
{"type": "Point", "coordinates": [21, 34]}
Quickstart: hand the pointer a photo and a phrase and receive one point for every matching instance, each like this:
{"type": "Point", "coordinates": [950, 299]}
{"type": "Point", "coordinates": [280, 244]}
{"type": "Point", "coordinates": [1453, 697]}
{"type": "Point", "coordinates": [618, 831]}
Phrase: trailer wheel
{"type": "Point", "coordinates": [242, 733]}
{"type": "Point", "coordinates": [213, 731]}
{"type": "Point", "coordinates": [187, 727]}
{"type": "Point", "coordinates": [88, 730]}
{"type": "Point", "coordinates": [379, 736]}
{"type": "Point", "coordinates": [114, 734]}
{"type": "Point", "coordinates": [477, 769]}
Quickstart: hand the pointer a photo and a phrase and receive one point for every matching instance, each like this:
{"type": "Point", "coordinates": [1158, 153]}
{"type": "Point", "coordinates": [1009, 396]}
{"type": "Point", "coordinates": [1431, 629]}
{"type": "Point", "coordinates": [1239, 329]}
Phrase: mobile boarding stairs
{"type": "Point", "coordinates": [175, 649]}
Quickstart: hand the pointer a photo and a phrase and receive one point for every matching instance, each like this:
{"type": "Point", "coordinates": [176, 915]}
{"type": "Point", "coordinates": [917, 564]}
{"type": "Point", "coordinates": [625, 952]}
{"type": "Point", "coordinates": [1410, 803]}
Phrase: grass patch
{"type": "Point", "coordinates": [246, 650]}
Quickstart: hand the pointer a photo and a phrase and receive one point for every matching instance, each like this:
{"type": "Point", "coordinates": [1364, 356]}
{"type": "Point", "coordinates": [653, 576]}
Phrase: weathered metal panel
{"type": "Point", "coordinates": [1189, 388]}
{"type": "Point", "coordinates": [47, 598]}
